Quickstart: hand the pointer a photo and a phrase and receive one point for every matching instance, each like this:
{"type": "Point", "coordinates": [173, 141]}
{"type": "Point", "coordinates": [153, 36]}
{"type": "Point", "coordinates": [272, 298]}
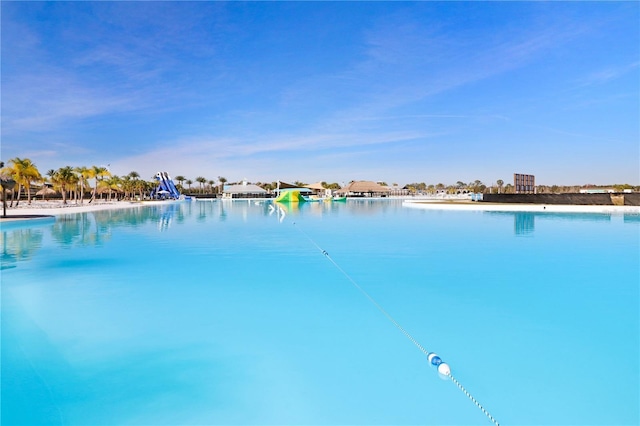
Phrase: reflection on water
{"type": "Point", "coordinates": [631, 218]}
{"type": "Point", "coordinates": [95, 228]}
{"type": "Point", "coordinates": [577, 217]}
{"type": "Point", "coordinates": [524, 223]}
{"type": "Point", "coordinates": [80, 229]}
{"type": "Point", "coordinates": [355, 207]}
{"type": "Point", "coordinates": [168, 214]}
{"type": "Point", "coordinates": [18, 245]}
{"type": "Point", "coordinates": [363, 206]}
{"type": "Point", "coordinates": [84, 229]}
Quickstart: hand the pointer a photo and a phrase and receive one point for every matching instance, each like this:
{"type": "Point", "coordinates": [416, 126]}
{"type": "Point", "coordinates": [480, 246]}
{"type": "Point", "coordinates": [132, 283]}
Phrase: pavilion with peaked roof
{"type": "Point", "coordinates": [316, 186]}
{"type": "Point", "coordinates": [285, 185]}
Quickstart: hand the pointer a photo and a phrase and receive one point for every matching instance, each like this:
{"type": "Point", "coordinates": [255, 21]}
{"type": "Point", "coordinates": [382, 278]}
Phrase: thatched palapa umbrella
{"type": "Point", "coordinates": [363, 187]}
{"type": "Point", "coordinates": [107, 190]}
{"type": "Point", "coordinates": [46, 191]}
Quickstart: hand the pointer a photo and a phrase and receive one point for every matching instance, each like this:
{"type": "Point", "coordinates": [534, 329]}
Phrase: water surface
{"type": "Point", "coordinates": [228, 313]}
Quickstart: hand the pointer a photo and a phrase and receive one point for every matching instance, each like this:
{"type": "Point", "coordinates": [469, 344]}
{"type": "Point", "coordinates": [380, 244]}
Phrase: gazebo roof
{"type": "Point", "coordinates": [244, 189]}
{"type": "Point", "coordinates": [364, 186]}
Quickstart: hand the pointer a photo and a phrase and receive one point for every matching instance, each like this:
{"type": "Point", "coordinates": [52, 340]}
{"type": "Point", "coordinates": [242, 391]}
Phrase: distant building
{"type": "Point", "coordinates": [245, 190]}
{"type": "Point", "coordinates": [397, 190]}
{"type": "Point", "coordinates": [604, 191]}
{"type": "Point", "coordinates": [596, 191]}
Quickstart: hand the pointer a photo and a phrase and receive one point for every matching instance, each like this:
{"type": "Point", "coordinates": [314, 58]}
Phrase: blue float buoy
{"type": "Point", "coordinates": [434, 358]}
{"type": "Point", "coordinates": [443, 367]}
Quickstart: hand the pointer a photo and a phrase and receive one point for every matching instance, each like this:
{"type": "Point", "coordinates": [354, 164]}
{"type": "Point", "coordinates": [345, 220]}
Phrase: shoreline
{"type": "Point", "coordinates": [518, 207]}
{"type": "Point", "coordinates": [46, 209]}
{"type": "Point", "coordinates": [39, 209]}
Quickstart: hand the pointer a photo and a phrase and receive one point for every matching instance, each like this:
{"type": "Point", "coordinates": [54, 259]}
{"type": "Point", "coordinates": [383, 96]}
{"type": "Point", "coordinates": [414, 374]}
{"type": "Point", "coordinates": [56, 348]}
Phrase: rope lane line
{"type": "Point", "coordinates": [434, 359]}
{"type": "Point", "coordinates": [477, 404]}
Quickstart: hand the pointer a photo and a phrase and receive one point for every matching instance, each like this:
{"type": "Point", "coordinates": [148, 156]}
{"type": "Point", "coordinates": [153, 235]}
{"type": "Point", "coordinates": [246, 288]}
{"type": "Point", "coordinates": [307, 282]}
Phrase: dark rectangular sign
{"type": "Point", "coordinates": [524, 184]}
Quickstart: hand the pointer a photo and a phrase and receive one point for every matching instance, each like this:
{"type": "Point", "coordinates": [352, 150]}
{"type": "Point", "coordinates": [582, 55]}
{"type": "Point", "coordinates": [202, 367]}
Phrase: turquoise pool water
{"type": "Point", "coordinates": [227, 313]}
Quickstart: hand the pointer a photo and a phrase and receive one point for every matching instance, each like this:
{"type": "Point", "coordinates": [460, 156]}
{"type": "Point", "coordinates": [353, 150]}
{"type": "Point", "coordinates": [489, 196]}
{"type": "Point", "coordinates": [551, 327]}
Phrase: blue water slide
{"type": "Point", "coordinates": [166, 184]}
{"type": "Point", "coordinates": [172, 187]}
{"type": "Point", "coordinates": [161, 185]}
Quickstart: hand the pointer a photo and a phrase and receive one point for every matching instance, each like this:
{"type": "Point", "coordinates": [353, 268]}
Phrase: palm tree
{"type": "Point", "coordinates": [268, 186]}
{"type": "Point", "coordinates": [98, 173]}
{"type": "Point", "coordinates": [64, 179]}
{"type": "Point", "coordinates": [127, 186]}
{"type": "Point", "coordinates": [189, 182]}
{"type": "Point", "coordinates": [180, 179]}
{"type": "Point", "coordinates": [500, 182]}
{"type": "Point", "coordinates": [114, 184]}
{"type": "Point", "coordinates": [84, 174]}
{"type": "Point", "coordinates": [23, 171]}
{"type": "Point", "coordinates": [144, 186]}
{"type": "Point", "coordinates": [50, 173]}
{"type": "Point", "coordinates": [133, 183]}
{"type": "Point", "coordinates": [222, 180]}
{"type": "Point", "coordinates": [201, 181]}
{"type": "Point", "coordinates": [6, 183]}
{"type": "Point", "coordinates": [211, 182]}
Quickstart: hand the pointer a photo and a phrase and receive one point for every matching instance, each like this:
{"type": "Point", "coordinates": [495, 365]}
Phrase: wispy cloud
{"type": "Point", "coordinates": [134, 63]}
{"type": "Point", "coordinates": [242, 155]}
{"type": "Point", "coordinates": [44, 102]}
{"type": "Point", "coordinates": [406, 63]}
{"type": "Point", "coordinates": [606, 75]}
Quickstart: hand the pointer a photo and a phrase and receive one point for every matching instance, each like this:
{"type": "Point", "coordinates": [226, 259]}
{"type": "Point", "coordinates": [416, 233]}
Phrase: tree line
{"type": "Point", "coordinates": [499, 187]}
{"type": "Point", "coordinates": [73, 183]}
{"type": "Point", "coordinates": [76, 183]}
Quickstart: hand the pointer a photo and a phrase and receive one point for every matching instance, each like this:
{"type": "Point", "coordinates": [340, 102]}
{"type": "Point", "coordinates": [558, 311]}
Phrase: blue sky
{"type": "Point", "coordinates": [336, 91]}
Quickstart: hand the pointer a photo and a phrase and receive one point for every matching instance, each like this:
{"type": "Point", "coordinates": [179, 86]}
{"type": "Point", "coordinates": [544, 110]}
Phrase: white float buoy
{"type": "Point", "coordinates": [444, 369]}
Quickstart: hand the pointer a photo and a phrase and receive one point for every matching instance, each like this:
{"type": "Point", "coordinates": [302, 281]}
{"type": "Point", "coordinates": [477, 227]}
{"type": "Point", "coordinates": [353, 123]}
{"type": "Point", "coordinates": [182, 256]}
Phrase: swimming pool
{"type": "Point", "coordinates": [228, 313]}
